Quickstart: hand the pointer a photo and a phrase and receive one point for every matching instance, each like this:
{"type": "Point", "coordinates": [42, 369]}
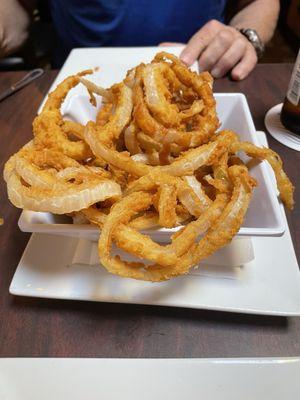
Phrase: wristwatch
{"type": "Point", "coordinates": [255, 40]}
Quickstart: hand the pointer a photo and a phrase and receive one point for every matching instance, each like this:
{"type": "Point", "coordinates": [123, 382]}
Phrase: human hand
{"type": "Point", "coordinates": [14, 22]}
{"type": "Point", "coordinates": [220, 48]}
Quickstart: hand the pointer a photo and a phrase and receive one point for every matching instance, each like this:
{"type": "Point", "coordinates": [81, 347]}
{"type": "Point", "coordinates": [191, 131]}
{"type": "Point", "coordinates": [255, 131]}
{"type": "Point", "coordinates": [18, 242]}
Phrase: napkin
{"type": "Point", "coordinates": [225, 263]}
{"type": "Point", "coordinates": [278, 131]}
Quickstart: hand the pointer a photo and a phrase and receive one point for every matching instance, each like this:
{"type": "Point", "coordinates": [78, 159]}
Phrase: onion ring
{"type": "Point", "coordinates": [285, 187]}
{"type": "Point", "coordinates": [153, 158]}
{"type": "Point", "coordinates": [48, 125]}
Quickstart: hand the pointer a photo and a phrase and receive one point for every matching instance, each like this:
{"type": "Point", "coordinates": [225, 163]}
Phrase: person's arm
{"type": "Point", "coordinates": [220, 48]}
{"type": "Point", "coordinates": [14, 24]}
{"type": "Point", "coordinates": [260, 15]}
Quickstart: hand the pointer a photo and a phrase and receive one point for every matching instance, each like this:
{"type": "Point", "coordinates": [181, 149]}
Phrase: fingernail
{"type": "Point", "coordinates": [238, 76]}
{"type": "Point", "coordinates": [216, 73]}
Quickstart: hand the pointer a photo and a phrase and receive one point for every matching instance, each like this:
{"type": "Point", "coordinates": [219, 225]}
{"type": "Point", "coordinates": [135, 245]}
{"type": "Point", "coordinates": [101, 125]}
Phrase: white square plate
{"type": "Point", "coordinates": [264, 217]}
{"type": "Point", "coordinates": [148, 379]}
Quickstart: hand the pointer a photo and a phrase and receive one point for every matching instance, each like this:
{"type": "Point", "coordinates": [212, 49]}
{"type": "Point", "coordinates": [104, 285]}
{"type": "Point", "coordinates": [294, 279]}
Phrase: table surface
{"type": "Point", "coordinates": [31, 327]}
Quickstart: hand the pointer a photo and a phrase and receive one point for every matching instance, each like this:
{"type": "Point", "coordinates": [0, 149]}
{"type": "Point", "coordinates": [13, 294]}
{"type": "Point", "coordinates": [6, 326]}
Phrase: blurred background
{"type": "Point", "coordinates": [37, 50]}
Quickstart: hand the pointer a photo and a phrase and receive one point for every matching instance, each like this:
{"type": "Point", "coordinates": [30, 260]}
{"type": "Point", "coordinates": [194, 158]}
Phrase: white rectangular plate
{"type": "Point", "coordinates": [270, 284]}
{"type": "Point", "coordinates": [264, 217]}
{"type": "Point", "coordinates": [44, 271]}
{"type": "Point", "coordinates": [148, 379]}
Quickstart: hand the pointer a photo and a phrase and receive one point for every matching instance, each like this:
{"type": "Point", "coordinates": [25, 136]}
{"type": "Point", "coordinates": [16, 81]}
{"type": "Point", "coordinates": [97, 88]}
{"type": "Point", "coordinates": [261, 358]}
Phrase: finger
{"type": "Point", "coordinates": [199, 41]}
{"type": "Point", "coordinates": [230, 58]}
{"type": "Point", "coordinates": [215, 50]}
{"type": "Point", "coordinates": [171, 44]}
{"type": "Point", "coordinates": [246, 65]}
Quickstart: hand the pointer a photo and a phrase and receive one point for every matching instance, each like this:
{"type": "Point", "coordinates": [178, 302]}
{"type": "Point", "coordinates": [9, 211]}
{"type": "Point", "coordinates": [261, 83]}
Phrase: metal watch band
{"type": "Point", "coordinates": [254, 39]}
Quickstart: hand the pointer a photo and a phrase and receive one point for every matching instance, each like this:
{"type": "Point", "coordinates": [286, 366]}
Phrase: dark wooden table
{"type": "Point", "coordinates": [39, 327]}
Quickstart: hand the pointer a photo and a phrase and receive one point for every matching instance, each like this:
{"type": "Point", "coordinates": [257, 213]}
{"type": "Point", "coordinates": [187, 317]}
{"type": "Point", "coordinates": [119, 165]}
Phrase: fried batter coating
{"type": "Point", "coordinates": [152, 159]}
{"type": "Point", "coordinates": [285, 187]}
{"type": "Point", "coordinates": [50, 130]}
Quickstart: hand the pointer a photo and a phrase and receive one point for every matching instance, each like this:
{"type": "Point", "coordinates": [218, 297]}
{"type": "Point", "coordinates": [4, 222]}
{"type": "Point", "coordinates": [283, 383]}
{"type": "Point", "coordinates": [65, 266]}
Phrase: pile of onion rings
{"type": "Point", "coordinates": [152, 158]}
